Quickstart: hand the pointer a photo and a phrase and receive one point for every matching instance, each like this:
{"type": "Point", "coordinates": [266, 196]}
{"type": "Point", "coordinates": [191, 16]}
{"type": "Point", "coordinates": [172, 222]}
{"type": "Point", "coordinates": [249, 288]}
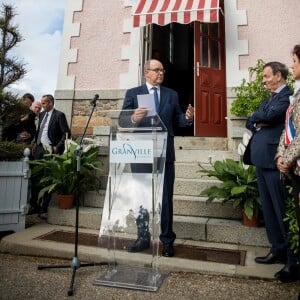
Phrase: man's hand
{"type": "Point", "coordinates": [189, 114]}
{"type": "Point", "coordinates": [282, 166]}
{"type": "Point", "coordinates": [24, 135]}
{"type": "Point", "coordinates": [24, 117]}
{"type": "Point", "coordinates": [54, 150]}
{"type": "Point", "coordinates": [139, 114]}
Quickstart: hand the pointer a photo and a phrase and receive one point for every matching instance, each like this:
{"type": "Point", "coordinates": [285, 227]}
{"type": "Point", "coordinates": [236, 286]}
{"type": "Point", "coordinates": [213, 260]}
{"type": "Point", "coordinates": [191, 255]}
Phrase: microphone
{"type": "Point", "coordinates": [94, 100]}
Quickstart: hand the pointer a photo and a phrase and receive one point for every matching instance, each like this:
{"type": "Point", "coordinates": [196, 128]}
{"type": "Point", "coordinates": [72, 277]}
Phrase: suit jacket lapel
{"type": "Point", "coordinates": [163, 98]}
{"type": "Point", "coordinates": [41, 117]}
{"type": "Point", "coordinates": [51, 119]}
{"type": "Point", "coordinates": [144, 89]}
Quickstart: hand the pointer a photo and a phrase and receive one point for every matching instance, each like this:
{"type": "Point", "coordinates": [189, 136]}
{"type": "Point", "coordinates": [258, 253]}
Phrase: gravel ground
{"type": "Point", "coordinates": [20, 279]}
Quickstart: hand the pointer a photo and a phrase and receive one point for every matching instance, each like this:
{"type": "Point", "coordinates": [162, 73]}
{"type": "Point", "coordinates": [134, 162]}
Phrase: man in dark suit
{"type": "Point", "coordinates": [170, 113]}
{"type": "Point", "coordinates": [52, 130]}
{"type": "Point", "coordinates": [24, 130]}
{"type": "Point", "coordinates": [266, 125]}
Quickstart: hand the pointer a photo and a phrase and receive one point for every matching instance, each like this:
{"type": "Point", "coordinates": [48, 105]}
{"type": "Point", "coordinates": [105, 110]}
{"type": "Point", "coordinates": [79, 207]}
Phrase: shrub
{"type": "Point", "coordinates": [249, 95]}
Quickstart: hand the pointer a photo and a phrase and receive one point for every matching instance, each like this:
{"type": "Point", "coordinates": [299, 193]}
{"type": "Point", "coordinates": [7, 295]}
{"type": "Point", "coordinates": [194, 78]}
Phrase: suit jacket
{"type": "Point", "coordinates": [264, 142]}
{"type": "Point", "coordinates": [12, 132]}
{"type": "Point", "coordinates": [169, 112]}
{"type": "Point", "coordinates": [57, 129]}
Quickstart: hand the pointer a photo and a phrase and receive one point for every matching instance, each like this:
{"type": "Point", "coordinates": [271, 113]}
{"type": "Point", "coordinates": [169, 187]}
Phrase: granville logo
{"type": "Point", "coordinates": [133, 151]}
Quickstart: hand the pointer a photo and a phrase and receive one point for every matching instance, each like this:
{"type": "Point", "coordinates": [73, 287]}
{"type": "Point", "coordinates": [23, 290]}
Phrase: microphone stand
{"type": "Point", "coordinates": [75, 264]}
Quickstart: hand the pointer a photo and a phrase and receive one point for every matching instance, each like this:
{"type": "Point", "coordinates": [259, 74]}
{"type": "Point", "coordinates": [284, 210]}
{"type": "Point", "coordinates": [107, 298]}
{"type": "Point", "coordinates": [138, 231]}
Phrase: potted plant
{"type": "Point", "coordinates": [60, 173]}
{"type": "Point", "coordinates": [238, 185]}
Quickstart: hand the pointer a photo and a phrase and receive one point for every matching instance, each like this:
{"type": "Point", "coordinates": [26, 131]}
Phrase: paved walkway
{"type": "Point", "coordinates": [20, 279]}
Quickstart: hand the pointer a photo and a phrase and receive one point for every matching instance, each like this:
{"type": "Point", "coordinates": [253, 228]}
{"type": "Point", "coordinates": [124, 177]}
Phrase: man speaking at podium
{"type": "Point", "coordinates": [168, 109]}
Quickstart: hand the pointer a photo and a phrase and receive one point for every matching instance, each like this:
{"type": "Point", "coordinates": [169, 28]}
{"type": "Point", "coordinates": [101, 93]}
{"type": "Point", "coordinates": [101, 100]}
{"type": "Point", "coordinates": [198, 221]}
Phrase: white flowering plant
{"type": "Point", "coordinates": [238, 183]}
{"type": "Point", "coordinates": [60, 173]}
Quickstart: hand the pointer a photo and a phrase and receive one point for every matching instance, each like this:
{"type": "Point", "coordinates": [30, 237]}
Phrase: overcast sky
{"type": "Point", "coordinates": [40, 23]}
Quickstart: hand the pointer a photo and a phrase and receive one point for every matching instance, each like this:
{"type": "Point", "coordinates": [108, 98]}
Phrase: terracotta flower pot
{"type": "Point", "coordinates": [65, 201]}
{"type": "Point", "coordinates": [254, 222]}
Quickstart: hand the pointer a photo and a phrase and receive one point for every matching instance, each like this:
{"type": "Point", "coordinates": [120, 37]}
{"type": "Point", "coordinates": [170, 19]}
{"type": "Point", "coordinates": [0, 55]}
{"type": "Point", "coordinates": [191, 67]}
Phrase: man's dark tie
{"type": "Point", "coordinates": [38, 141]}
{"type": "Point", "coordinates": [155, 98]}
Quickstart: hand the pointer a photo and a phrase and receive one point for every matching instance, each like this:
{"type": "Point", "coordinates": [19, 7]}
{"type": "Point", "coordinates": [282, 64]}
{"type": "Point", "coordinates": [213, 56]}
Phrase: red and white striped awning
{"type": "Point", "coordinates": [163, 12]}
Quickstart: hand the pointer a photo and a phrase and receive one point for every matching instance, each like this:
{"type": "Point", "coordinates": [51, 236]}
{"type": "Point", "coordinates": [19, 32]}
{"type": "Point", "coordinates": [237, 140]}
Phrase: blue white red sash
{"type": "Point", "coordinates": [290, 131]}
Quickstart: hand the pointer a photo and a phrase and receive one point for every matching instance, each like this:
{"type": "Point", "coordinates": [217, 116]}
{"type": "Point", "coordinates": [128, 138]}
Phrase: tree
{"type": "Point", "coordinates": [11, 68]}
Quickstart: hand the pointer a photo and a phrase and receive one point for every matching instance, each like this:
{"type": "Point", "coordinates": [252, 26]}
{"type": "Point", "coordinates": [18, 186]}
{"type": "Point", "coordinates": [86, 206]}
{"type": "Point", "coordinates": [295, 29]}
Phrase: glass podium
{"type": "Point", "coordinates": [132, 206]}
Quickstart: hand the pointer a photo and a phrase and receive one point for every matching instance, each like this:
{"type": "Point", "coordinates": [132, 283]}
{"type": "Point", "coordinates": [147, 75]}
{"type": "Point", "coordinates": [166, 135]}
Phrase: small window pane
{"type": "Point", "coordinates": [214, 30]}
{"type": "Point", "coordinates": [204, 28]}
{"type": "Point", "coordinates": [215, 55]}
{"type": "Point", "coordinates": [204, 52]}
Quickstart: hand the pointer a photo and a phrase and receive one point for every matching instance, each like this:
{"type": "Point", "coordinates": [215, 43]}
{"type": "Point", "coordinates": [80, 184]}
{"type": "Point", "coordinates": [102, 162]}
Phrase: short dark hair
{"type": "Point", "coordinates": [49, 98]}
{"type": "Point", "coordinates": [28, 96]}
{"type": "Point", "coordinates": [278, 67]}
{"type": "Point", "coordinates": [296, 51]}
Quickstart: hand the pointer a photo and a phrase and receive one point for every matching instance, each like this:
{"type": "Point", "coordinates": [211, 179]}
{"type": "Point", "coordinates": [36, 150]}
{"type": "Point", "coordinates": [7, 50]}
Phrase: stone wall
{"type": "Point", "coordinates": [81, 112]}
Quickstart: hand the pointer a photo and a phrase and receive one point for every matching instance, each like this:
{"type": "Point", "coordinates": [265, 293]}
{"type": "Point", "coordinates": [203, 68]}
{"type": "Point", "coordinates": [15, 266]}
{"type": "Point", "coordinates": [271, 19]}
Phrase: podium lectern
{"type": "Point", "coordinates": [132, 206]}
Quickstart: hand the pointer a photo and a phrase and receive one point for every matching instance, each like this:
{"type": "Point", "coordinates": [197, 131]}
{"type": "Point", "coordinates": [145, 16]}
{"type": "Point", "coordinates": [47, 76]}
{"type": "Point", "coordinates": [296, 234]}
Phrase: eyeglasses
{"type": "Point", "coordinates": [157, 70]}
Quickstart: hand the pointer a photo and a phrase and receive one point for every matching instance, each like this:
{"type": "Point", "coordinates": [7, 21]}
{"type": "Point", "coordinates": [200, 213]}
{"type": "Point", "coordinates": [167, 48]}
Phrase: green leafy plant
{"type": "Point", "coordinates": [12, 151]}
{"type": "Point", "coordinates": [60, 171]}
{"type": "Point", "coordinates": [238, 184]}
{"type": "Point", "coordinates": [12, 69]}
{"type": "Point", "coordinates": [292, 221]}
{"type": "Point", "coordinates": [249, 95]}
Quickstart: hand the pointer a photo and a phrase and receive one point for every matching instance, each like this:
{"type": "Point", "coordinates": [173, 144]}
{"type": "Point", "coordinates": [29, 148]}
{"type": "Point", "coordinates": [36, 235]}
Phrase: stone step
{"type": "Point", "coordinates": [94, 199]}
{"type": "Point", "coordinates": [190, 170]}
{"type": "Point", "coordinates": [183, 205]}
{"type": "Point", "coordinates": [186, 227]}
{"type": "Point", "coordinates": [192, 187]}
{"type": "Point", "coordinates": [219, 231]}
{"type": "Point", "coordinates": [201, 156]}
{"type": "Point", "coordinates": [199, 207]}
{"type": "Point", "coordinates": [189, 143]}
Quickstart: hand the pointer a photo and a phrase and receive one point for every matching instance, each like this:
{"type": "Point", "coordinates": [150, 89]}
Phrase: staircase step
{"type": "Point", "coordinates": [89, 217]}
{"type": "Point", "coordinates": [183, 205]}
{"type": "Point", "coordinates": [192, 187]}
{"type": "Point", "coordinates": [234, 232]}
{"type": "Point", "coordinates": [188, 170]}
{"type": "Point", "coordinates": [202, 156]}
{"type": "Point", "coordinates": [219, 231]}
{"type": "Point", "coordinates": [183, 187]}
{"type": "Point", "coordinates": [188, 143]}
{"type": "Point", "coordinates": [94, 199]}
{"type": "Point", "coordinates": [186, 227]}
{"type": "Point", "coordinates": [198, 206]}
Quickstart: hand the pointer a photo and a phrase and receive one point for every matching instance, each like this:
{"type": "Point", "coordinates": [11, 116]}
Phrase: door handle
{"type": "Point", "coordinates": [197, 68]}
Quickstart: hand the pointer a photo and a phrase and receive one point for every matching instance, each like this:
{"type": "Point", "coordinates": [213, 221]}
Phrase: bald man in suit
{"type": "Point", "coordinates": [52, 130]}
{"type": "Point", "coordinates": [170, 113]}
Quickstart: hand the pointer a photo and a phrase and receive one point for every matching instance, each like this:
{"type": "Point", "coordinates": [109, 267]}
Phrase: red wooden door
{"type": "Point", "coordinates": [210, 79]}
